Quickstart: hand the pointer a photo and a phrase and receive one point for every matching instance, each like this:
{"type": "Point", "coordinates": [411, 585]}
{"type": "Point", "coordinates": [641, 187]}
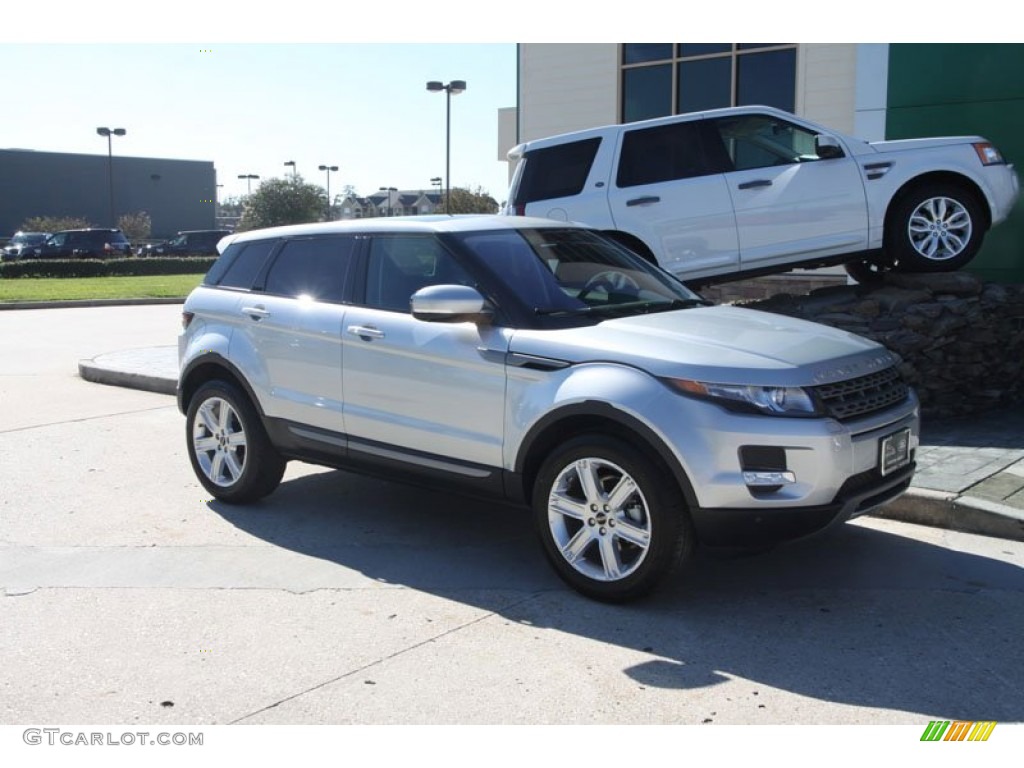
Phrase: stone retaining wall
{"type": "Point", "coordinates": [962, 340]}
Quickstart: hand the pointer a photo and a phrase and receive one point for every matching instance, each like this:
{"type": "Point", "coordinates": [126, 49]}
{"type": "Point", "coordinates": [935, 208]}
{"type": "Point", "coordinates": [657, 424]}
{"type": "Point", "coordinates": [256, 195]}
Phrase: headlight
{"type": "Point", "coordinates": [774, 401]}
{"type": "Point", "coordinates": [988, 154]}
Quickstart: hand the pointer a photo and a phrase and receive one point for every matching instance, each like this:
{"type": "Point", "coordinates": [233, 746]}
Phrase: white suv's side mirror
{"type": "Point", "coordinates": [450, 303]}
{"type": "Point", "coordinates": [827, 147]}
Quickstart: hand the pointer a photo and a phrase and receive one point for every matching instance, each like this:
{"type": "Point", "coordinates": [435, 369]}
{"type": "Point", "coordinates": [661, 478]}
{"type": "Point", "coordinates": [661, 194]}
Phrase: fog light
{"type": "Point", "coordinates": [768, 479]}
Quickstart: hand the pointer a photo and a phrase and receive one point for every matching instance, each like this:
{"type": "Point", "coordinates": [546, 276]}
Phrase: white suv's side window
{"type": "Point", "coordinates": [311, 268]}
{"type": "Point", "coordinates": [761, 141]}
{"type": "Point", "coordinates": [663, 153]}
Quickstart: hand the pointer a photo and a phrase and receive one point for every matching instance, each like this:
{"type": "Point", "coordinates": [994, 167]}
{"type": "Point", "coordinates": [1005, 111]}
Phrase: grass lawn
{"type": "Point", "coordinates": [61, 288]}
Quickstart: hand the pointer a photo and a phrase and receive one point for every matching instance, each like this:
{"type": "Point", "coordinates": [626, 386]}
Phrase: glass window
{"type": "Point", "coordinates": [400, 265]}
{"type": "Point", "coordinates": [704, 84]}
{"type": "Point", "coordinates": [767, 78]}
{"type": "Point", "coordinates": [664, 153]}
{"type": "Point", "coordinates": [634, 53]}
{"type": "Point", "coordinates": [646, 92]}
{"type": "Point", "coordinates": [239, 264]}
{"type": "Point", "coordinates": [703, 49]}
{"type": "Point", "coordinates": [757, 141]}
{"type": "Point", "coordinates": [311, 267]}
{"type": "Point", "coordinates": [558, 171]}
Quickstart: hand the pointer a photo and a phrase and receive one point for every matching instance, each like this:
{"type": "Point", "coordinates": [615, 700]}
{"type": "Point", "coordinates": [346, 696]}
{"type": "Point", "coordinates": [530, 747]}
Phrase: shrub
{"type": "Point", "coordinates": [161, 265]}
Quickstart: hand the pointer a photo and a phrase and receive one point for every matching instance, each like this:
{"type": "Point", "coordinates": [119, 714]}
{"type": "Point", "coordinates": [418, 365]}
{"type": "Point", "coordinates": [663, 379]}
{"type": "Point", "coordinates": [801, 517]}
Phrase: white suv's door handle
{"type": "Point", "coordinates": [756, 184]}
{"type": "Point", "coordinates": [643, 200]}
{"type": "Point", "coordinates": [365, 331]}
{"type": "Point", "coordinates": [256, 313]}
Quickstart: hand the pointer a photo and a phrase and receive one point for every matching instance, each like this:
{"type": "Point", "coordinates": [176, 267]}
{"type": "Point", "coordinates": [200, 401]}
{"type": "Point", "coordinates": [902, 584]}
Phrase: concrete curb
{"type": "Point", "coordinates": [70, 304]}
{"type": "Point", "coordinates": [90, 371]}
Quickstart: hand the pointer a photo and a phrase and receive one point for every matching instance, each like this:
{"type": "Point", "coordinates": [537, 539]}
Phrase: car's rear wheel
{"type": "Point", "coordinates": [934, 228]}
{"type": "Point", "coordinates": [228, 446]}
{"type": "Point", "coordinates": [612, 522]}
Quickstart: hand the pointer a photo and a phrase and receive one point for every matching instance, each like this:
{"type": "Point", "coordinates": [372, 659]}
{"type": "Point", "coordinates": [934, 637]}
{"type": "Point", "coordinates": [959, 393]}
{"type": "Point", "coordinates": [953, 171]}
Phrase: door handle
{"type": "Point", "coordinates": [756, 184]}
{"type": "Point", "coordinates": [365, 332]}
{"type": "Point", "coordinates": [643, 200]}
{"type": "Point", "coordinates": [256, 313]}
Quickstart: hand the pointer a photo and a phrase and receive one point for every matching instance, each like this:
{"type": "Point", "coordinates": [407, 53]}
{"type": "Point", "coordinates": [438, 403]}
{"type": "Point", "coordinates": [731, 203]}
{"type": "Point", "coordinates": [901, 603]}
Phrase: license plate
{"type": "Point", "coordinates": [894, 451]}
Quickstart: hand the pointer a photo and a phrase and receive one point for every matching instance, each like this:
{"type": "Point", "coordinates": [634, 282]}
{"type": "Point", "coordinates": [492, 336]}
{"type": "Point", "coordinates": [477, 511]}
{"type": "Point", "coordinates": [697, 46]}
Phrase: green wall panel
{"type": "Point", "coordinates": [957, 89]}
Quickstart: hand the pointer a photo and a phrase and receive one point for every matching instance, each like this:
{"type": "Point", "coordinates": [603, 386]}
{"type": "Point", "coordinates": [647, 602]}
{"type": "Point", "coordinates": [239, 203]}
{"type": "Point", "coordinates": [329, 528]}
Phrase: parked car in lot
{"type": "Point", "coordinates": [540, 362]}
{"type": "Point", "coordinates": [94, 243]}
{"type": "Point", "coordinates": [195, 242]}
{"type": "Point", "coordinates": [717, 195]}
{"type": "Point", "coordinates": [21, 242]}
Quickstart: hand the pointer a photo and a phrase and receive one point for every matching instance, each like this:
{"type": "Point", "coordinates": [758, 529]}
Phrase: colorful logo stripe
{"type": "Point", "coordinates": [958, 730]}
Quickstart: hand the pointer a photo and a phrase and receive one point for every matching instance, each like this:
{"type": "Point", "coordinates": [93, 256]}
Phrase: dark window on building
{"type": "Point", "coordinates": [313, 267]}
{"type": "Point", "coordinates": [646, 92]}
{"type": "Point", "coordinates": [661, 79]}
{"type": "Point", "coordinates": [239, 264]}
{"type": "Point", "coordinates": [400, 265]}
{"type": "Point", "coordinates": [559, 171]}
{"type": "Point", "coordinates": [664, 153]}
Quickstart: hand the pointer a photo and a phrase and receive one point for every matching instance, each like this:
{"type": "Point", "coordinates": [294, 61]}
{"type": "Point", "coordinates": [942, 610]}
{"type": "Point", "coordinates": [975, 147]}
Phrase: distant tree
{"type": "Point", "coordinates": [283, 201]}
{"type": "Point", "coordinates": [230, 206]}
{"type": "Point", "coordinates": [54, 223]}
{"type": "Point", "coordinates": [464, 200]}
{"type": "Point", "coordinates": [348, 191]}
{"type": "Point", "coordinates": [136, 226]}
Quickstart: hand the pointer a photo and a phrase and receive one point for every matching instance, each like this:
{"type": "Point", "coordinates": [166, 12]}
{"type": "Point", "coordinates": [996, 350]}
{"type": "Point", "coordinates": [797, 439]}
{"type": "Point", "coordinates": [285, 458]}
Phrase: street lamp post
{"type": "Point", "coordinates": [328, 168]}
{"type": "Point", "coordinates": [295, 170]}
{"type": "Point", "coordinates": [436, 181]}
{"type": "Point", "coordinates": [454, 87]}
{"type": "Point", "coordinates": [389, 190]}
{"type": "Point", "coordinates": [109, 133]}
{"type": "Point", "coordinates": [248, 181]}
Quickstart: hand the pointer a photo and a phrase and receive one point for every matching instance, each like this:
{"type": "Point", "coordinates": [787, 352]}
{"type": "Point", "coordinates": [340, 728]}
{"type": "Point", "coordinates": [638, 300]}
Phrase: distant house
{"type": "Point", "coordinates": [402, 202]}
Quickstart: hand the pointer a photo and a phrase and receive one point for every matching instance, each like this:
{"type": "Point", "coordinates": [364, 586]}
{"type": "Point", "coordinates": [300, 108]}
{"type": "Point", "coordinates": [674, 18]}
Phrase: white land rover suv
{"type": "Point", "coordinates": [540, 362]}
{"type": "Point", "coordinates": [717, 195]}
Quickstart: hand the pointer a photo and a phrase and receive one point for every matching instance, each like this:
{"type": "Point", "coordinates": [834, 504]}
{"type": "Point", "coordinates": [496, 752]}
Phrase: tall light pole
{"type": "Point", "coordinates": [110, 132]}
{"type": "Point", "coordinates": [295, 170]}
{"type": "Point", "coordinates": [454, 87]}
{"type": "Point", "coordinates": [436, 181]}
{"type": "Point", "coordinates": [328, 168]}
{"type": "Point", "coordinates": [248, 181]}
{"type": "Point", "coordinates": [389, 190]}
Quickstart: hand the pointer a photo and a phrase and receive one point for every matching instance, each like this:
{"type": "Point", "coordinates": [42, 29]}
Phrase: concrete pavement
{"type": "Point", "coordinates": [970, 474]}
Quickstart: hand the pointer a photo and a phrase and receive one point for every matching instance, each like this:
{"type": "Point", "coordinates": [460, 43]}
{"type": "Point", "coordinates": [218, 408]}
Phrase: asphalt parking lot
{"type": "Point", "coordinates": [130, 597]}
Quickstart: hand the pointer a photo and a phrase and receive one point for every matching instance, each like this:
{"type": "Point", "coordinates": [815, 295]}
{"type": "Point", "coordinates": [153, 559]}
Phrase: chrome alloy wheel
{"type": "Point", "coordinates": [219, 442]}
{"type": "Point", "coordinates": [939, 228]}
{"type": "Point", "coordinates": [599, 519]}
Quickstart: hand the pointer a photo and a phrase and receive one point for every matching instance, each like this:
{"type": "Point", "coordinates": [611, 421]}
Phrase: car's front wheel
{"type": "Point", "coordinates": [612, 522]}
{"type": "Point", "coordinates": [228, 446]}
{"type": "Point", "coordinates": [934, 228]}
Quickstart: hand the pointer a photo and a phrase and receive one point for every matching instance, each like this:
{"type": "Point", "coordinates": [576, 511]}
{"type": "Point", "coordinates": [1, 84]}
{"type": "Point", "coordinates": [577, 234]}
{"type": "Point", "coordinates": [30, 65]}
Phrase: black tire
{"type": "Point", "coordinates": [645, 533]}
{"type": "Point", "coordinates": [866, 272]}
{"type": "Point", "coordinates": [934, 228]}
{"type": "Point", "coordinates": [235, 461]}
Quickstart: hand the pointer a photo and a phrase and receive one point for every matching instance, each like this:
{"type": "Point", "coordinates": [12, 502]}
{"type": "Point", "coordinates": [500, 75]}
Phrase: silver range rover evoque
{"type": "Point", "coordinates": [541, 362]}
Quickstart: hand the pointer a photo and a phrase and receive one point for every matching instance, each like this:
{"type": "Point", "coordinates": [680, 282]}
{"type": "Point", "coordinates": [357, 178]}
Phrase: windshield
{"type": "Point", "coordinates": [576, 271]}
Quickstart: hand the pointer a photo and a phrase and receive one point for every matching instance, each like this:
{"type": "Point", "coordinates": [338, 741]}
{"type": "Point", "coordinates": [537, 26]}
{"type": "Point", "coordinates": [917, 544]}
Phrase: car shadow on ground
{"type": "Point", "coordinates": [855, 616]}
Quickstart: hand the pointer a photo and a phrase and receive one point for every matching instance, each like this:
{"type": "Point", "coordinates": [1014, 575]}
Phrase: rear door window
{"type": "Point", "coordinates": [314, 268]}
{"type": "Point", "coordinates": [559, 171]}
{"type": "Point", "coordinates": [662, 153]}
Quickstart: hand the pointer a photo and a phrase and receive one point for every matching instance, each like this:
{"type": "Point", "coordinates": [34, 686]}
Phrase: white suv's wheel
{"type": "Point", "coordinates": [612, 524]}
{"type": "Point", "coordinates": [934, 228]}
{"type": "Point", "coordinates": [228, 447]}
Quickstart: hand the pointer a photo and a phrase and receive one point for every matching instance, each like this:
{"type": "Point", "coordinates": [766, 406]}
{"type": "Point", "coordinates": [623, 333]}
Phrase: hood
{"type": "Point", "coordinates": [723, 345]}
{"type": "Point", "coordinates": [941, 141]}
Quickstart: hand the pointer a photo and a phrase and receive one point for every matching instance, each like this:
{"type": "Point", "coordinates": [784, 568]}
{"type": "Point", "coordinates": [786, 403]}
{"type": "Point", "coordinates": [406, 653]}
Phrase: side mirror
{"type": "Point", "coordinates": [827, 147]}
{"type": "Point", "coordinates": [450, 304]}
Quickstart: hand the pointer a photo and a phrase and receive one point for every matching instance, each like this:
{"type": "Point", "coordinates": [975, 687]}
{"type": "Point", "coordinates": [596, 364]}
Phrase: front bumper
{"type": "Point", "coordinates": [759, 526]}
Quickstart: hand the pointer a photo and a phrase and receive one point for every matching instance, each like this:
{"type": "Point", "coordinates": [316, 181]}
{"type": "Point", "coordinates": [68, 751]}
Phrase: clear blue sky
{"type": "Point", "coordinates": [249, 107]}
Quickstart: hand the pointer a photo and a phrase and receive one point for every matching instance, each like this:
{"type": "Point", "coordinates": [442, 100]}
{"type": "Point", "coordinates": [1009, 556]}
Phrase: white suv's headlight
{"type": "Point", "coordinates": [774, 401]}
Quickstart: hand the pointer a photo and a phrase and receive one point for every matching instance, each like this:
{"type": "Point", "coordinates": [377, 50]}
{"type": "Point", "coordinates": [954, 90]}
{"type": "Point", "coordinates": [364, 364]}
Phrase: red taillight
{"type": "Point", "coordinates": [186, 318]}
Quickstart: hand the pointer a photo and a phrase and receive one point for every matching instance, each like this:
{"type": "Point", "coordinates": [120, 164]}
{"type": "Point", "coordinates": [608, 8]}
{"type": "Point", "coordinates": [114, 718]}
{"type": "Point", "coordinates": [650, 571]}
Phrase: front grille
{"type": "Point", "coordinates": [846, 400]}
